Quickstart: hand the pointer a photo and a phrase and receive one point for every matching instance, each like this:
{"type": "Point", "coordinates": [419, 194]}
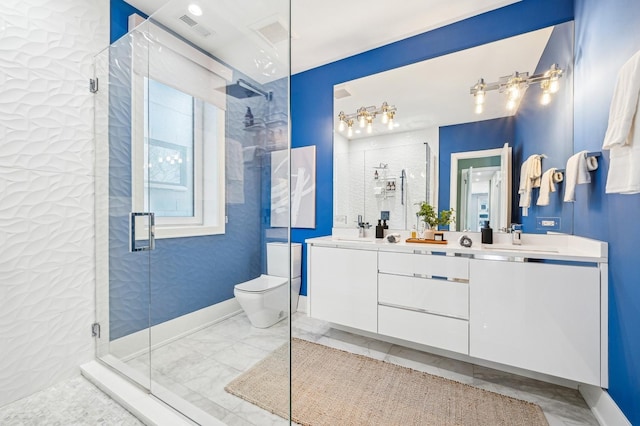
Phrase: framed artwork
{"type": "Point", "coordinates": [303, 188]}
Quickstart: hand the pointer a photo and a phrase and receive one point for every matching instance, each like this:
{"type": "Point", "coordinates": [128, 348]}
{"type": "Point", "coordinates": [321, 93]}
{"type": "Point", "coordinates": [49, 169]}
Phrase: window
{"type": "Point", "coordinates": [177, 139]}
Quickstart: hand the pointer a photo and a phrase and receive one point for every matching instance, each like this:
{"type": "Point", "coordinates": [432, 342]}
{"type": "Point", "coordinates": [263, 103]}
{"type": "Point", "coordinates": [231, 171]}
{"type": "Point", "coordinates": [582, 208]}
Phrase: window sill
{"type": "Point", "coordinates": [162, 232]}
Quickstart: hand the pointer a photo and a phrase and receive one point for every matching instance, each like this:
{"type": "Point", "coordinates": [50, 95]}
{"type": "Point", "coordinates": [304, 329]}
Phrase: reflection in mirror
{"type": "Point", "coordinates": [481, 188]}
{"type": "Point", "coordinates": [436, 105]}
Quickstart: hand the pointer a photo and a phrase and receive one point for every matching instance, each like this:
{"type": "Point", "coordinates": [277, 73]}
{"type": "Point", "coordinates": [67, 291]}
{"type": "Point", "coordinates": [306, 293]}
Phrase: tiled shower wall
{"type": "Point", "coordinates": [46, 189]}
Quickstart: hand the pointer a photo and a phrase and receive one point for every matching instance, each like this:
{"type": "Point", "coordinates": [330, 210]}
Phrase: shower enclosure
{"type": "Point", "coordinates": [189, 106]}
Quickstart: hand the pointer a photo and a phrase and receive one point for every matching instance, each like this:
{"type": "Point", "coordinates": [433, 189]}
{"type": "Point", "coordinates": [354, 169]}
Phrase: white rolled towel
{"type": "Point", "coordinates": [577, 172]}
{"type": "Point", "coordinates": [547, 186]}
{"type": "Point", "coordinates": [558, 177]}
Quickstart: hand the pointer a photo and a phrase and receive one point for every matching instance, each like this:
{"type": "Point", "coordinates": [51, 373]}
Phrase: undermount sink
{"type": "Point", "coordinates": [519, 248]}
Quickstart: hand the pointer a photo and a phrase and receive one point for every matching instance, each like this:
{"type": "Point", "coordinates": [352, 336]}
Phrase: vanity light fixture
{"type": "Point", "coordinates": [516, 84]}
{"type": "Point", "coordinates": [365, 117]}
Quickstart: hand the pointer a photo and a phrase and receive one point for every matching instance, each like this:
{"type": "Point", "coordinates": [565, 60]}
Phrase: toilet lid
{"type": "Point", "coordinates": [262, 283]}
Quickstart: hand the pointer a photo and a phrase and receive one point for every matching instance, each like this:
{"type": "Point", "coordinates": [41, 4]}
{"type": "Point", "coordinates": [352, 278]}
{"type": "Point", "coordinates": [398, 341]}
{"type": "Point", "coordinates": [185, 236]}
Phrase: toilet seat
{"type": "Point", "coordinates": [261, 284]}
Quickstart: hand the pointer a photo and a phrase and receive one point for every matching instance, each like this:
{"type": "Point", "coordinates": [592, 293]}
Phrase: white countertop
{"type": "Point", "coordinates": [535, 246]}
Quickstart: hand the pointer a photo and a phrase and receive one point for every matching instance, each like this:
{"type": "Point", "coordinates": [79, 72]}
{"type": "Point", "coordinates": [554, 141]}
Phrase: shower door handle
{"type": "Point", "coordinates": [151, 231]}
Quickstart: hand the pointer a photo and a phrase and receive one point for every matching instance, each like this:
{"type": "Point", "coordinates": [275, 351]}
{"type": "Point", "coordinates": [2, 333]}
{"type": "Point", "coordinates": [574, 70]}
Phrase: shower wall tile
{"type": "Point", "coordinates": [47, 265]}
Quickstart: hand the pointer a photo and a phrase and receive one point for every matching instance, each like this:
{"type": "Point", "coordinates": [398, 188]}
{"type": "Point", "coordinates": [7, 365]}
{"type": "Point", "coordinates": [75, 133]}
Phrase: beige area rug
{"type": "Point", "coordinates": [334, 387]}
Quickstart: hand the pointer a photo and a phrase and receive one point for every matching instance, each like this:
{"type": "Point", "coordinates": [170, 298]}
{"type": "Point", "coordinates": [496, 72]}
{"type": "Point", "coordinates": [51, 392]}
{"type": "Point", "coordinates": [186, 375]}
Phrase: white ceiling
{"type": "Point", "coordinates": [323, 31]}
{"type": "Point", "coordinates": [434, 92]}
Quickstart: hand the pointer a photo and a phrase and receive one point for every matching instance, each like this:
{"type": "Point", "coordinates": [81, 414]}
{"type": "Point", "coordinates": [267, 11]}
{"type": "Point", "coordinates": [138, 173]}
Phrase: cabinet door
{"type": "Point", "coordinates": [343, 286]}
{"type": "Point", "coordinates": [536, 316]}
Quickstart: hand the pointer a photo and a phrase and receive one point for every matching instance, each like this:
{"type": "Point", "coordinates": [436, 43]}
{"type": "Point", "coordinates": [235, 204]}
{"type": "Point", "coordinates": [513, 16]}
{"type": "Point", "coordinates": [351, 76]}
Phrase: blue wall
{"type": "Point", "coordinates": [606, 37]}
{"type": "Point", "coordinates": [312, 91]}
{"type": "Point", "coordinates": [480, 135]}
{"type": "Point", "coordinates": [183, 274]}
{"type": "Point", "coordinates": [119, 23]}
{"type": "Point", "coordinates": [547, 130]}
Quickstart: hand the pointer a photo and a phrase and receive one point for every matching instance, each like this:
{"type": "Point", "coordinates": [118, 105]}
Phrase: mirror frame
{"type": "Point", "coordinates": [505, 191]}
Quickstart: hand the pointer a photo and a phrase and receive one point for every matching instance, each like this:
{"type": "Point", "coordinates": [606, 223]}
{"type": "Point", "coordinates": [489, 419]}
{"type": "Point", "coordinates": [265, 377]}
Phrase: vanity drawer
{"type": "Point", "coordinates": [435, 296]}
{"type": "Point", "coordinates": [432, 330]}
{"type": "Point", "coordinates": [424, 264]}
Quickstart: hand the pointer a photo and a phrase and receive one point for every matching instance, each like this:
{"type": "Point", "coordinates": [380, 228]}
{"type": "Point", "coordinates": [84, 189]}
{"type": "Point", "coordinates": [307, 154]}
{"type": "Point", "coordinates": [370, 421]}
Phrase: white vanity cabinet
{"type": "Point", "coordinates": [343, 286]}
{"type": "Point", "coordinates": [537, 316]}
{"type": "Point", "coordinates": [424, 298]}
{"type": "Point", "coordinates": [543, 311]}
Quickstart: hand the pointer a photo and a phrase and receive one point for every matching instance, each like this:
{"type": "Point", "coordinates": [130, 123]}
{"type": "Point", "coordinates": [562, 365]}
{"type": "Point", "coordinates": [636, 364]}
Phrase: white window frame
{"type": "Point", "coordinates": [209, 182]}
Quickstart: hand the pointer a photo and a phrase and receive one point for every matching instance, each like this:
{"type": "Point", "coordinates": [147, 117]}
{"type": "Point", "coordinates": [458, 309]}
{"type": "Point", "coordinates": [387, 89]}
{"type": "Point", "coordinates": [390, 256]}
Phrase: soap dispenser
{"type": "Point", "coordinates": [379, 229]}
{"type": "Point", "coordinates": [385, 228]}
{"type": "Point", "coordinates": [248, 118]}
{"type": "Point", "coordinates": [487, 233]}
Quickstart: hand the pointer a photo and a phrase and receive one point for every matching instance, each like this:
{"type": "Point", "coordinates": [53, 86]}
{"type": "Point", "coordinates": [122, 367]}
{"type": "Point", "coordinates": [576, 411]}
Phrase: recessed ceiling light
{"type": "Point", "coordinates": [195, 10]}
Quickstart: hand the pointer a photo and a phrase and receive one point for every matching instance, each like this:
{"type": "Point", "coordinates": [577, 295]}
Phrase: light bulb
{"type": "Point", "coordinates": [362, 121]}
{"type": "Point", "coordinates": [194, 9]}
{"type": "Point", "coordinates": [369, 127]}
{"type": "Point", "coordinates": [546, 98]}
{"type": "Point", "coordinates": [341, 126]}
{"type": "Point", "coordinates": [390, 124]}
{"type": "Point", "coordinates": [514, 93]}
{"type": "Point", "coordinates": [480, 97]}
{"type": "Point", "coordinates": [511, 104]}
{"type": "Point", "coordinates": [479, 109]}
{"type": "Point", "coordinates": [554, 85]}
{"type": "Point", "coordinates": [385, 118]}
{"type": "Point", "coordinates": [350, 131]}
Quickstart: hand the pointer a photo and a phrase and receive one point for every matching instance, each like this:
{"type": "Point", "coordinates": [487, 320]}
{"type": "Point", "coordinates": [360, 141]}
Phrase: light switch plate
{"type": "Point", "coordinates": [548, 223]}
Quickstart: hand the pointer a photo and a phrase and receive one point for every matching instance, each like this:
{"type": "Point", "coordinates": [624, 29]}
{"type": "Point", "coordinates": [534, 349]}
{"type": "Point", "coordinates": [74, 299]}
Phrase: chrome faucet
{"type": "Point", "coordinates": [516, 234]}
{"type": "Point", "coordinates": [362, 226]}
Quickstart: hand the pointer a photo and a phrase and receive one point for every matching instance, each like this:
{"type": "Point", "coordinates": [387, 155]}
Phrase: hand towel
{"type": "Point", "coordinates": [621, 137]}
{"type": "Point", "coordinates": [576, 173]}
{"type": "Point", "coordinates": [547, 186]}
{"type": "Point", "coordinates": [530, 173]}
{"type": "Point", "coordinates": [623, 104]}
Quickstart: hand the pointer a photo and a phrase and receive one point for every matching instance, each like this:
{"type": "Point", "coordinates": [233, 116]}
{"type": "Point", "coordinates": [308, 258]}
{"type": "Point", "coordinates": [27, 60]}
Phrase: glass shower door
{"type": "Point", "coordinates": [123, 239]}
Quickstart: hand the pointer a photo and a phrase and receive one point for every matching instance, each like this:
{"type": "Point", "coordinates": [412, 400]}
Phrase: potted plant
{"type": "Point", "coordinates": [431, 217]}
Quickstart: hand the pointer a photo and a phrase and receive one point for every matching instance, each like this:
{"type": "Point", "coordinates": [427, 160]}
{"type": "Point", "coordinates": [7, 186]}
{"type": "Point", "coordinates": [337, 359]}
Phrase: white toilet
{"type": "Point", "coordinates": [264, 299]}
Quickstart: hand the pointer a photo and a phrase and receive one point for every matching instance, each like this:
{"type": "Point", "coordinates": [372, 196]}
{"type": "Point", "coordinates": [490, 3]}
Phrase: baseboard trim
{"type": "Point", "coordinates": [303, 304]}
{"type": "Point", "coordinates": [603, 407]}
{"type": "Point", "coordinates": [137, 343]}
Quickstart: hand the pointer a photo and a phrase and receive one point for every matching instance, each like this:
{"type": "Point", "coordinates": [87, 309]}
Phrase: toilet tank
{"type": "Point", "coordinates": [278, 259]}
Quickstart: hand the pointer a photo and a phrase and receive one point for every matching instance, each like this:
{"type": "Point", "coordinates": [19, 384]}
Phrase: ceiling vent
{"type": "Point", "coordinates": [195, 26]}
{"type": "Point", "coordinates": [187, 20]}
{"type": "Point", "coordinates": [273, 32]}
{"type": "Point", "coordinates": [341, 93]}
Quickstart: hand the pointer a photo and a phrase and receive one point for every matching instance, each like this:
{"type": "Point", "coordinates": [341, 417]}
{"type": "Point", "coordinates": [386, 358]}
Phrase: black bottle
{"type": "Point", "coordinates": [379, 230]}
{"type": "Point", "coordinates": [487, 233]}
{"type": "Point", "coordinates": [248, 118]}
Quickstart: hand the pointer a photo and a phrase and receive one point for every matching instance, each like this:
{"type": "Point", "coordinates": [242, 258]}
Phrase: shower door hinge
{"type": "Point", "coordinates": [93, 85]}
{"type": "Point", "coordinates": [95, 330]}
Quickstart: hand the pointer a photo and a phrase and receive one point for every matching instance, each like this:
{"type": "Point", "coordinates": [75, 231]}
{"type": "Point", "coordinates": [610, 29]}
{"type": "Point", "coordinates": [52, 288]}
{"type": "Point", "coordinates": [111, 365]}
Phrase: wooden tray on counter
{"type": "Point", "coordinates": [415, 240]}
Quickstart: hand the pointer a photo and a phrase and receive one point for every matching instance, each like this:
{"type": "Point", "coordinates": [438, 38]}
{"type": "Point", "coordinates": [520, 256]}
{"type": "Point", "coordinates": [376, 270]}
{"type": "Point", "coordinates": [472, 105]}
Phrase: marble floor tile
{"type": "Point", "coordinates": [356, 344]}
{"type": "Point", "coordinates": [199, 366]}
{"type": "Point", "coordinates": [240, 356]}
{"type": "Point", "coordinates": [72, 402]}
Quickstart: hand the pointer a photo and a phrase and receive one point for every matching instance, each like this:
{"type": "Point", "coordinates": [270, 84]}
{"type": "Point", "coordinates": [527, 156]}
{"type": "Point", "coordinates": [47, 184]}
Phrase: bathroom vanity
{"type": "Point", "coordinates": [540, 307]}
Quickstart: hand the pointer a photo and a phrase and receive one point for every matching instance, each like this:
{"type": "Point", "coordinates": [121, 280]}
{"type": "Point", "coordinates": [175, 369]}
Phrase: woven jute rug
{"type": "Point", "coordinates": [334, 387]}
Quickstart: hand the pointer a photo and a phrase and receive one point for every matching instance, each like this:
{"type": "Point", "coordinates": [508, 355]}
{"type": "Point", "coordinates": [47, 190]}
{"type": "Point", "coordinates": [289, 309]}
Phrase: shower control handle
{"type": "Point", "coordinates": [151, 231]}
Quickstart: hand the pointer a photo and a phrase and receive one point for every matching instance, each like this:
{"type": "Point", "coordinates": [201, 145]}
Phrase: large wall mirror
{"type": "Point", "coordinates": [387, 167]}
